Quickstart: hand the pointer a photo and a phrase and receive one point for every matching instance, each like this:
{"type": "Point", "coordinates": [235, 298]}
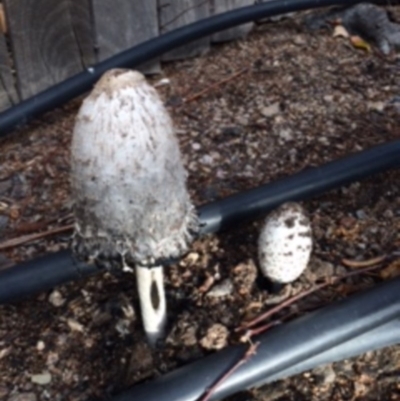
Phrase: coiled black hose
{"type": "Point", "coordinates": [131, 58]}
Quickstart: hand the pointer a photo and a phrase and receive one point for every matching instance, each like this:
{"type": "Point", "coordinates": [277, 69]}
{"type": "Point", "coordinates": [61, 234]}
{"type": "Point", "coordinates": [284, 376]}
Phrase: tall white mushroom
{"type": "Point", "coordinates": [129, 187]}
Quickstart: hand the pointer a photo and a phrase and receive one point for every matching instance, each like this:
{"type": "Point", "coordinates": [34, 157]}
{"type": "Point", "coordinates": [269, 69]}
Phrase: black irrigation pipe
{"type": "Point", "coordinates": [286, 349]}
{"type": "Point", "coordinates": [79, 84]}
{"type": "Point", "coordinates": [46, 272]}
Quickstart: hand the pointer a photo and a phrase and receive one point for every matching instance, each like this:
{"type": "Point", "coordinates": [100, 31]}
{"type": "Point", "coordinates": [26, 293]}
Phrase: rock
{"type": "Point", "coordinates": [376, 106]}
{"type": "Point", "coordinates": [41, 378]}
{"type": "Point", "coordinates": [40, 345]}
{"type": "Point", "coordinates": [325, 374]}
{"type": "Point", "coordinates": [216, 337]}
{"type": "Point", "coordinates": [271, 110]}
{"type": "Point", "coordinates": [23, 397]}
{"type": "Point", "coordinates": [221, 289]}
{"type": "Point", "coordinates": [56, 299]}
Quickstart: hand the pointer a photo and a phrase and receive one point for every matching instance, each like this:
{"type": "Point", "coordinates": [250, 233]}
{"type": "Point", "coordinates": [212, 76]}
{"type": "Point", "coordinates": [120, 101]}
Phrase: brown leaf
{"type": "Point", "coordinates": [360, 43]}
{"type": "Point", "coordinates": [340, 32]}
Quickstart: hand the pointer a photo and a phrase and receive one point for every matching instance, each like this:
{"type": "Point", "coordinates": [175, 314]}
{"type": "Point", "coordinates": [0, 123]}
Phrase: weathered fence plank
{"type": "Point", "coordinates": [220, 6]}
{"type": "Point", "coordinates": [176, 13]}
{"type": "Point", "coordinates": [8, 94]}
{"type": "Point", "coordinates": [44, 45]}
{"type": "Point", "coordinates": [121, 24]}
{"type": "Point", "coordinates": [82, 24]}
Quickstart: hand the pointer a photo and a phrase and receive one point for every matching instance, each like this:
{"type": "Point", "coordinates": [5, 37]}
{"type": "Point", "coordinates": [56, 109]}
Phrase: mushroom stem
{"type": "Point", "coordinates": [150, 286]}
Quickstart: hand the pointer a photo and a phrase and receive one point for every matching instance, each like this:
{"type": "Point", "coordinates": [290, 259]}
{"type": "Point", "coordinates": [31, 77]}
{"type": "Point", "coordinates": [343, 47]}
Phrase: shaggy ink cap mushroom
{"type": "Point", "coordinates": [285, 243]}
{"type": "Point", "coordinates": [128, 183]}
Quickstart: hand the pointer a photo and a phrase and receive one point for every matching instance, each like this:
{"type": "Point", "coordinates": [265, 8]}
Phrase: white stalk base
{"type": "Point", "coordinates": [150, 284]}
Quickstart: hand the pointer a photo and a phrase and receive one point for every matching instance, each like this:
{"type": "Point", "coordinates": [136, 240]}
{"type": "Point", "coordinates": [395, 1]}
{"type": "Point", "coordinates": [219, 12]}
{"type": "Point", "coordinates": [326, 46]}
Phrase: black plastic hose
{"type": "Point", "coordinates": [381, 337]}
{"type": "Point", "coordinates": [280, 348]}
{"type": "Point", "coordinates": [40, 274]}
{"type": "Point", "coordinates": [46, 272]}
{"type": "Point", "coordinates": [78, 84]}
{"type": "Point", "coordinates": [311, 182]}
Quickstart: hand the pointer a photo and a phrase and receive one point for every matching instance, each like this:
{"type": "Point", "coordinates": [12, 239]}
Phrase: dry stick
{"type": "Point", "coordinates": [254, 332]}
{"type": "Point", "coordinates": [215, 86]}
{"type": "Point", "coordinates": [32, 237]}
{"type": "Point", "coordinates": [301, 295]}
{"type": "Point", "coordinates": [245, 358]}
{"type": "Point", "coordinates": [29, 227]}
{"type": "Point", "coordinates": [363, 263]}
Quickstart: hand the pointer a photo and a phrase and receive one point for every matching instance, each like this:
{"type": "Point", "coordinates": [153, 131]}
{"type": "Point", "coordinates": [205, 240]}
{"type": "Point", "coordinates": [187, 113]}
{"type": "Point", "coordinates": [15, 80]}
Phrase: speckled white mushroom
{"type": "Point", "coordinates": [129, 187]}
{"type": "Point", "coordinates": [285, 243]}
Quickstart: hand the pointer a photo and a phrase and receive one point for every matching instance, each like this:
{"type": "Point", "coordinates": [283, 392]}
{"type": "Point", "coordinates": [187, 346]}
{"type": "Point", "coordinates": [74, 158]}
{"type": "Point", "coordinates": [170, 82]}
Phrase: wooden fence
{"type": "Point", "coordinates": [43, 42]}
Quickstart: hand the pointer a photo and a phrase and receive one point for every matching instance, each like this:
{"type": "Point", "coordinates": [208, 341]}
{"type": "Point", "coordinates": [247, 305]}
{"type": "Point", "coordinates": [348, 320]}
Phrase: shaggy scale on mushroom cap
{"type": "Point", "coordinates": [128, 180]}
{"type": "Point", "coordinates": [285, 243]}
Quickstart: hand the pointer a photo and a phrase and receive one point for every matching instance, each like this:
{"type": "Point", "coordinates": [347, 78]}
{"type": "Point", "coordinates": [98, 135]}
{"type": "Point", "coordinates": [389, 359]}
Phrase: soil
{"type": "Point", "coordinates": [303, 99]}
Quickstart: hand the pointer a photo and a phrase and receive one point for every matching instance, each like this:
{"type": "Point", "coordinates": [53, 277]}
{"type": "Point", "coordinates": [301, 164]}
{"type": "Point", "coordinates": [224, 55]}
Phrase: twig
{"type": "Point", "coordinates": [30, 227]}
{"type": "Point", "coordinates": [363, 263]}
{"type": "Point", "coordinates": [302, 295]}
{"type": "Point", "coordinates": [246, 337]}
{"type": "Point", "coordinates": [251, 350]}
{"type": "Point", "coordinates": [32, 237]}
{"type": "Point", "coordinates": [215, 86]}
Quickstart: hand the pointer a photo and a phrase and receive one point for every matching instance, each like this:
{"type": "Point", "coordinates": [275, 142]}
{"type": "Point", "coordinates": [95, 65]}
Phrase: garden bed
{"type": "Point", "coordinates": [292, 99]}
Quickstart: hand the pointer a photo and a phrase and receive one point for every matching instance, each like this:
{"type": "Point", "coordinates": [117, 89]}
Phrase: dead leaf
{"type": "Point", "coordinates": [360, 43]}
{"type": "Point", "coordinates": [391, 271]}
{"type": "Point", "coordinates": [340, 32]}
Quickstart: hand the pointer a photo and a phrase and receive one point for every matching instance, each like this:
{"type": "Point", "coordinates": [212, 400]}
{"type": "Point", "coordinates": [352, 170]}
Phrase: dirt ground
{"type": "Point", "coordinates": [301, 99]}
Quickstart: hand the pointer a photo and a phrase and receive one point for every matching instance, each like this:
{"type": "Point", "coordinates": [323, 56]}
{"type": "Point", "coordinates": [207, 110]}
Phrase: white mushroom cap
{"type": "Point", "coordinates": [285, 243]}
{"type": "Point", "coordinates": [129, 187]}
{"type": "Point", "coordinates": [128, 180]}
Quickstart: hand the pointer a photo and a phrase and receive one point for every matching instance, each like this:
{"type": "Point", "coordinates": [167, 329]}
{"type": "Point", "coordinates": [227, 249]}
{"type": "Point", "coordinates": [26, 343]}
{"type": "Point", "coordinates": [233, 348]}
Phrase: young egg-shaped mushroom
{"type": "Point", "coordinates": [285, 243]}
{"type": "Point", "coordinates": [128, 181]}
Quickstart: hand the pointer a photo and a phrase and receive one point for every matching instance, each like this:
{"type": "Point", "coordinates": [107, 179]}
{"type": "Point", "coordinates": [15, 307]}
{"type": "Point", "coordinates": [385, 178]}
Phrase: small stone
{"type": "Point", "coordinates": [361, 214]}
{"type": "Point", "coordinates": [41, 378]}
{"type": "Point", "coordinates": [5, 352]}
{"type": "Point", "coordinates": [207, 160]}
{"type": "Point", "coordinates": [286, 134]}
{"type": "Point", "coordinates": [216, 337]}
{"type": "Point", "coordinates": [271, 110]}
{"type": "Point", "coordinates": [222, 289]}
{"type": "Point", "coordinates": [326, 374]}
{"type": "Point", "coordinates": [75, 326]}
{"type": "Point", "coordinates": [376, 106]}
{"type": "Point", "coordinates": [56, 299]}
{"type": "Point", "coordinates": [23, 397]}
{"type": "Point", "coordinates": [40, 346]}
